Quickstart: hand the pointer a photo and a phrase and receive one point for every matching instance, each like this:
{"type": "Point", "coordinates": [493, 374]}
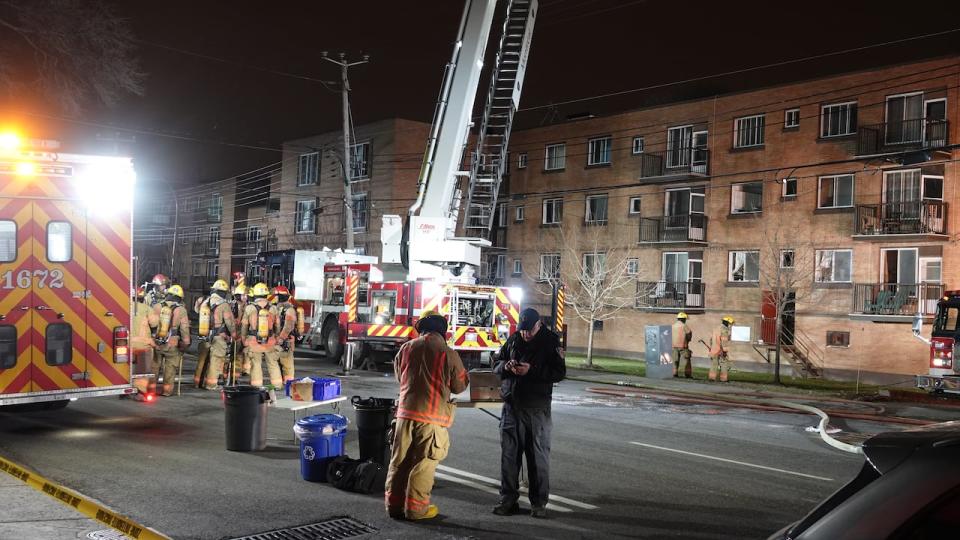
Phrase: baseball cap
{"type": "Point", "coordinates": [528, 319]}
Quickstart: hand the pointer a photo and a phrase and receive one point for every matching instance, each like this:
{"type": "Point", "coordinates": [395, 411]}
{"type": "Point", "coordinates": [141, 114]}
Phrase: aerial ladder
{"type": "Point", "coordinates": [426, 242]}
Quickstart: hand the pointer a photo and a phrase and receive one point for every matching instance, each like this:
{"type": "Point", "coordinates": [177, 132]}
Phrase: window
{"type": "Point", "coordinates": [787, 258]}
{"type": "Point", "coordinates": [637, 147]}
{"type": "Point", "coordinates": [838, 339]}
{"type": "Point", "coordinates": [197, 269]}
{"type": "Point", "coordinates": [502, 215]}
{"type": "Point", "coordinates": [744, 266]}
{"type": "Point", "coordinates": [360, 161]}
{"type": "Point", "coordinates": [598, 151]}
{"type": "Point", "coordinates": [833, 266]}
{"type": "Point", "coordinates": [550, 266]}
{"type": "Point", "coordinates": [598, 326]}
{"type": "Point", "coordinates": [213, 270]}
{"type": "Point", "coordinates": [520, 213]}
{"type": "Point", "coordinates": [522, 160]}
{"type": "Point", "coordinates": [59, 242]}
{"type": "Point", "coordinates": [254, 238]}
{"type": "Point", "coordinates": [499, 267]}
{"type": "Point", "coordinates": [308, 169]}
{"type": "Point", "coordinates": [556, 157]}
{"type": "Point", "coordinates": [835, 191]}
{"type": "Point", "coordinates": [198, 237]}
{"type": "Point", "coordinates": [552, 211]}
{"type": "Point", "coordinates": [633, 267]}
{"type": "Point", "coordinates": [213, 240]}
{"type": "Point", "coordinates": [634, 205]}
{"type": "Point", "coordinates": [594, 265]}
{"type": "Point", "coordinates": [838, 119]}
{"type": "Point", "coordinates": [790, 187]}
{"type": "Point", "coordinates": [596, 209]}
{"type": "Point", "coordinates": [305, 219]}
{"type": "Point", "coordinates": [791, 118]}
{"type": "Point", "coordinates": [748, 131]}
{"type": "Point", "coordinates": [59, 349]}
{"type": "Point", "coordinates": [679, 143]}
{"type": "Point", "coordinates": [8, 241]}
{"type": "Point", "coordinates": [360, 211]}
{"type": "Point", "coordinates": [215, 211]}
{"type": "Point", "coordinates": [517, 268]}
{"type": "Point", "coordinates": [746, 198]}
{"type": "Point", "coordinates": [184, 237]}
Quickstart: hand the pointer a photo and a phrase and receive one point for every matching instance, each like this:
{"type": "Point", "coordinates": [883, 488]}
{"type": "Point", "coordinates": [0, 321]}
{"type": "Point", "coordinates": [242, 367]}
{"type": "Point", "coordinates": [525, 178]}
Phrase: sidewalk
{"type": "Point", "coordinates": [27, 513]}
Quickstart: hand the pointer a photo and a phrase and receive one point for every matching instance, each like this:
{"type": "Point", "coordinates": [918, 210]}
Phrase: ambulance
{"type": "Point", "coordinates": [65, 274]}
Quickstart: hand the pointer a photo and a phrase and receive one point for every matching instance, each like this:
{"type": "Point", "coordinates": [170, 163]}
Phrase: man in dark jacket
{"type": "Point", "coordinates": [529, 364]}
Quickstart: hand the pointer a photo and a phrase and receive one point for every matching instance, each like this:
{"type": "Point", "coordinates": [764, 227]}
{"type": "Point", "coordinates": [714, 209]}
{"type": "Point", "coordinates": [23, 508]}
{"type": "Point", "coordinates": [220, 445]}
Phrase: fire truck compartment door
{"type": "Point", "coordinates": [16, 295]}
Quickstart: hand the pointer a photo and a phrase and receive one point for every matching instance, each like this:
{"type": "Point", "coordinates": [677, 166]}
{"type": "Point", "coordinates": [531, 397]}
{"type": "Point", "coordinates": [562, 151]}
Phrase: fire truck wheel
{"type": "Point", "coordinates": [331, 341]}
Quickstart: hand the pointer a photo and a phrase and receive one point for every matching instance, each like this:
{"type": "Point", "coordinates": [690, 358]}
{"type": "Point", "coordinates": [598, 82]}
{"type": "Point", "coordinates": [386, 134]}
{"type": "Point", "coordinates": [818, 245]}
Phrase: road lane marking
{"type": "Point", "coordinates": [495, 482]}
{"type": "Point", "coordinates": [488, 489]}
{"type": "Point", "coordinates": [745, 464]}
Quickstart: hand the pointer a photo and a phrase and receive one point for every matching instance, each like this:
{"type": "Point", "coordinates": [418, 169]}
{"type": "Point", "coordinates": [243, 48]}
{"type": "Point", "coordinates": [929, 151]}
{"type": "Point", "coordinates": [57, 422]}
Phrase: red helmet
{"type": "Point", "coordinates": [280, 289]}
{"type": "Point", "coordinates": [160, 280]}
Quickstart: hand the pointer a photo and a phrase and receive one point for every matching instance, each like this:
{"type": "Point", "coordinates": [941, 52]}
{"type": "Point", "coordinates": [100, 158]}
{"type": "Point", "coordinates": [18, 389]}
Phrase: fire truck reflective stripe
{"type": "Point", "coordinates": [353, 290]}
{"type": "Point", "coordinates": [561, 300]}
{"type": "Point", "coordinates": [389, 330]}
{"type": "Point", "coordinates": [18, 384]}
{"type": "Point", "coordinates": [80, 503]}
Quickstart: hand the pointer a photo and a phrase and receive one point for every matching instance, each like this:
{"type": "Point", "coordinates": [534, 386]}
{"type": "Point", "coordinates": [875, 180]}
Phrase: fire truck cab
{"type": "Point", "coordinates": [944, 372]}
{"type": "Point", "coordinates": [65, 274]}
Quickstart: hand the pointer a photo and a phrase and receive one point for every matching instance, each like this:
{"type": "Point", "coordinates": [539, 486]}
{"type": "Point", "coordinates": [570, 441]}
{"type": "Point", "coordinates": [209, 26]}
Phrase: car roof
{"type": "Point", "coordinates": [887, 450]}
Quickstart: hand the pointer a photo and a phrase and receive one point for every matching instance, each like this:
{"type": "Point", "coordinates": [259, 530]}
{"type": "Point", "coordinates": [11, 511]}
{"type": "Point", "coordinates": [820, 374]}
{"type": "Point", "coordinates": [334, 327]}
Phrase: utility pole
{"type": "Point", "coordinates": [345, 92]}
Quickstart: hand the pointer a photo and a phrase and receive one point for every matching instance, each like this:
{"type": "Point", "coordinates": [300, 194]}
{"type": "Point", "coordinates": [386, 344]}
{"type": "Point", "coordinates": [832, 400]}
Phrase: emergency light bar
{"type": "Point", "coordinates": [29, 168]}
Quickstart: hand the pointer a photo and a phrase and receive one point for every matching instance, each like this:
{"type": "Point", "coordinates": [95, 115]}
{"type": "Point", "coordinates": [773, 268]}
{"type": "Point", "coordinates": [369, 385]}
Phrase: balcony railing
{"type": "Point", "coordinates": [209, 214]}
{"type": "Point", "coordinates": [247, 247]}
{"type": "Point", "coordinates": [679, 161]}
{"type": "Point", "coordinates": [682, 228]}
{"type": "Point", "coordinates": [903, 299]}
{"type": "Point", "coordinates": [670, 295]}
{"type": "Point", "coordinates": [902, 135]}
{"type": "Point", "coordinates": [914, 217]}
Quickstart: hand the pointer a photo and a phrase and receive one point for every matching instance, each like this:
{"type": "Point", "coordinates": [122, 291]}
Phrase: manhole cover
{"type": "Point", "coordinates": [331, 529]}
{"type": "Point", "coordinates": [106, 534]}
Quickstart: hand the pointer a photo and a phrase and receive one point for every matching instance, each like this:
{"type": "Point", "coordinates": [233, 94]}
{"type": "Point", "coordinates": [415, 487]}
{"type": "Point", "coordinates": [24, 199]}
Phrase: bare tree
{"type": "Point", "coordinates": [72, 51]}
{"type": "Point", "coordinates": [597, 269]}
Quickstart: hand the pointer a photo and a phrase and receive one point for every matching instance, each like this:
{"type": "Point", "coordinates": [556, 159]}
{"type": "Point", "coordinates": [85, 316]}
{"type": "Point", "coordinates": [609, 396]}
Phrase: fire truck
{"type": "Point", "coordinates": [65, 274]}
{"type": "Point", "coordinates": [944, 372]}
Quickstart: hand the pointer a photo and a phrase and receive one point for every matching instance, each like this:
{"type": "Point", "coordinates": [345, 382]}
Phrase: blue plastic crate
{"type": "Point", "coordinates": [323, 389]}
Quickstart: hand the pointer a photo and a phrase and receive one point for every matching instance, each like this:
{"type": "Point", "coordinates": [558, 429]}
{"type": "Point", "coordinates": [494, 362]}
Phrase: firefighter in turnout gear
{"type": "Point", "coordinates": [141, 342]}
{"type": "Point", "coordinates": [156, 290]}
{"type": "Point", "coordinates": [206, 330]}
{"type": "Point", "coordinates": [260, 327]}
{"type": "Point", "coordinates": [720, 349]}
{"type": "Point", "coordinates": [223, 331]}
{"type": "Point", "coordinates": [239, 305]}
{"type": "Point", "coordinates": [170, 329]}
{"type": "Point", "coordinates": [289, 329]}
{"type": "Point", "coordinates": [428, 371]}
{"type": "Point", "coordinates": [682, 336]}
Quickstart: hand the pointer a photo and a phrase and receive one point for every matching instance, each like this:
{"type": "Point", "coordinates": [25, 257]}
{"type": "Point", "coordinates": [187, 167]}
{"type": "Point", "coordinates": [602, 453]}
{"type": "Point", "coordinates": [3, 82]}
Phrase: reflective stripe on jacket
{"type": "Point", "coordinates": [681, 335]}
{"type": "Point", "coordinates": [428, 372]}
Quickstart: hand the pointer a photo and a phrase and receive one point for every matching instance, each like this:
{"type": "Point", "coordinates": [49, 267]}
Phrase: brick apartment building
{"type": "Point", "coordinates": [845, 183]}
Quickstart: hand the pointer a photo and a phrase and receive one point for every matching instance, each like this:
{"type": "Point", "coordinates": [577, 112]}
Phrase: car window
{"type": "Point", "coordinates": [867, 475]}
{"type": "Point", "coordinates": [932, 522]}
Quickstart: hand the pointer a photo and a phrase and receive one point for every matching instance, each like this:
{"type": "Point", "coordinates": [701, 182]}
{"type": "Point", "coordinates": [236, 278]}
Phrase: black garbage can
{"type": "Point", "coordinates": [374, 416]}
{"type": "Point", "coordinates": [246, 417]}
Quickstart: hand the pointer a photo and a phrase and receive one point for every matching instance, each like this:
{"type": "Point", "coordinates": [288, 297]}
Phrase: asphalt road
{"type": "Point", "coordinates": [621, 468]}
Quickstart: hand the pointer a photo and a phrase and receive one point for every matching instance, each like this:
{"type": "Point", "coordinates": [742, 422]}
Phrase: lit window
{"type": "Point", "coordinates": [59, 242]}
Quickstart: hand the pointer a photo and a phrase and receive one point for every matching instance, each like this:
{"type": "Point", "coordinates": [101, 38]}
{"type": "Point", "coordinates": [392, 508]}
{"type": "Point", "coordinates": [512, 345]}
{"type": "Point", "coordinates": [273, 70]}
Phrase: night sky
{"type": "Point", "coordinates": [580, 48]}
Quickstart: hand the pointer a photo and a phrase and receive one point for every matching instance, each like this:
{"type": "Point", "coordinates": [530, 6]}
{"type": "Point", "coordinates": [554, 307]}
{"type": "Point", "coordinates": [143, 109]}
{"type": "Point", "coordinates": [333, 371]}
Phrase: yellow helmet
{"type": "Point", "coordinates": [239, 289]}
{"type": "Point", "coordinates": [429, 313]}
{"type": "Point", "coordinates": [220, 285]}
{"type": "Point", "coordinates": [175, 290]}
{"type": "Point", "coordinates": [682, 315]}
{"type": "Point", "coordinates": [260, 290]}
{"type": "Point", "coordinates": [728, 319]}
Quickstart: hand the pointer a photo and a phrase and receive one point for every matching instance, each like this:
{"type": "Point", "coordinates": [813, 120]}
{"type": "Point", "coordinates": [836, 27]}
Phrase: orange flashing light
{"type": "Point", "coordinates": [26, 168]}
{"type": "Point", "coordinates": [9, 141]}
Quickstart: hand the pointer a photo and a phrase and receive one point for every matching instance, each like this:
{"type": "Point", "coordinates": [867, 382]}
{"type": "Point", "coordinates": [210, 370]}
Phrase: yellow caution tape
{"type": "Point", "coordinates": [80, 503]}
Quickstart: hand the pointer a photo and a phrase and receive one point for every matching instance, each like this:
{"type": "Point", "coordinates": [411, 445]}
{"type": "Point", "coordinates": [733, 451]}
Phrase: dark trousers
{"type": "Point", "coordinates": [525, 432]}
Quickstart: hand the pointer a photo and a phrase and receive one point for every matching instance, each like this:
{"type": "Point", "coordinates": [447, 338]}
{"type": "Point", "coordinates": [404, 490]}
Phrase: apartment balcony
{"type": "Point", "coordinates": [672, 165]}
{"type": "Point", "coordinates": [498, 238]}
{"type": "Point", "coordinates": [894, 302]}
{"type": "Point", "coordinates": [208, 215]}
{"type": "Point", "coordinates": [670, 295]}
{"type": "Point", "coordinates": [914, 220]}
{"type": "Point", "coordinates": [687, 228]}
{"type": "Point", "coordinates": [247, 248]}
{"type": "Point", "coordinates": [902, 136]}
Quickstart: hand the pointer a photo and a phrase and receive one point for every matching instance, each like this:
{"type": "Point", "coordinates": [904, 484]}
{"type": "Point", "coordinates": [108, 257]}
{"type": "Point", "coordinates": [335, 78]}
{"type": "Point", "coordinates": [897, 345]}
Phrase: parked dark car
{"type": "Point", "coordinates": [908, 489]}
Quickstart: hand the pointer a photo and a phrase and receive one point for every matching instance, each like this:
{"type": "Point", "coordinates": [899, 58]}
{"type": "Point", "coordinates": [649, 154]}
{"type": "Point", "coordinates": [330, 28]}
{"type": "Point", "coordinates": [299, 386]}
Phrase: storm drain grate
{"type": "Point", "coordinates": [331, 529]}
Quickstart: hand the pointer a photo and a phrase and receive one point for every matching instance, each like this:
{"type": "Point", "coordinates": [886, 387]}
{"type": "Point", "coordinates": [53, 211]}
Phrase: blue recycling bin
{"type": "Point", "coordinates": [321, 440]}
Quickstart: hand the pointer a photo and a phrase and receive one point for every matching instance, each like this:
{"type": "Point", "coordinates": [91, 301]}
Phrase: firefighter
{"type": "Point", "coordinates": [156, 290]}
{"type": "Point", "coordinates": [682, 336]}
{"type": "Point", "coordinates": [222, 332]}
{"type": "Point", "coordinates": [260, 327]}
{"type": "Point", "coordinates": [204, 307]}
{"type": "Point", "coordinates": [141, 342]}
{"type": "Point", "coordinates": [239, 305]}
{"type": "Point", "coordinates": [289, 329]}
{"type": "Point", "coordinates": [720, 349]}
{"type": "Point", "coordinates": [170, 329]}
{"type": "Point", "coordinates": [428, 371]}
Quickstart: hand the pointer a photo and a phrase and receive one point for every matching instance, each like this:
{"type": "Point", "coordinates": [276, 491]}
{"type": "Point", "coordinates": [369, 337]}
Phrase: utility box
{"type": "Point", "coordinates": [659, 351]}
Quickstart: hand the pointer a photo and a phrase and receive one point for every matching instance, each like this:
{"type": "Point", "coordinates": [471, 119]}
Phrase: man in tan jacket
{"type": "Point", "coordinates": [428, 371]}
{"type": "Point", "coordinates": [720, 349]}
{"type": "Point", "coordinates": [682, 336]}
